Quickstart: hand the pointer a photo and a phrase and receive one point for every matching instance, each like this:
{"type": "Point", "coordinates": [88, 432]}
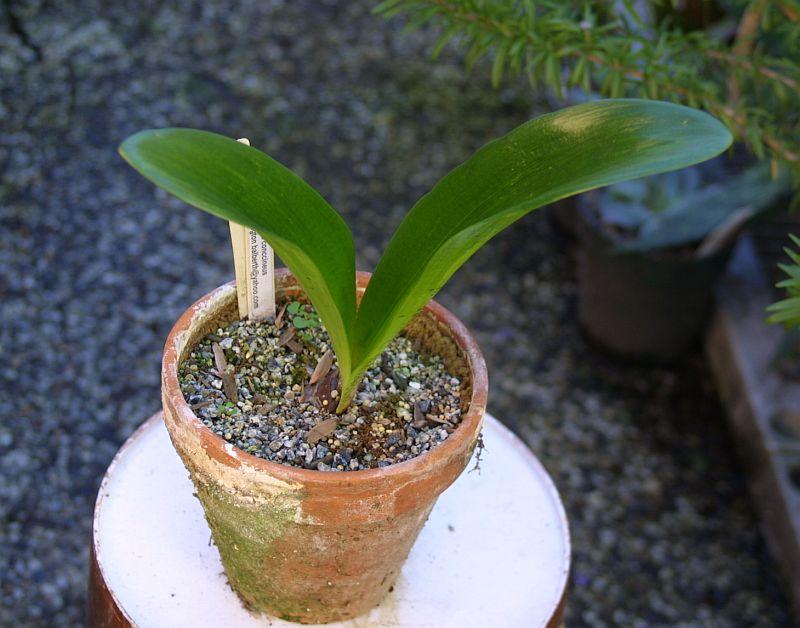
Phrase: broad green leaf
{"type": "Point", "coordinates": [242, 184]}
{"type": "Point", "coordinates": [551, 157]}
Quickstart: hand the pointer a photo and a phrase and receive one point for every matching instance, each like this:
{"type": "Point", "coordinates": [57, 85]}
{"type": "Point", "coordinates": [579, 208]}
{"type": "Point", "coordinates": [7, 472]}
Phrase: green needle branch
{"type": "Point", "coordinates": [745, 72]}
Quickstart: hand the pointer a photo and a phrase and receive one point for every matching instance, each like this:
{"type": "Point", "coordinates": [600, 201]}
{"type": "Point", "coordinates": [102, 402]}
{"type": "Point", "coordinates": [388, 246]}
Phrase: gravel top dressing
{"type": "Point", "coordinates": [270, 388]}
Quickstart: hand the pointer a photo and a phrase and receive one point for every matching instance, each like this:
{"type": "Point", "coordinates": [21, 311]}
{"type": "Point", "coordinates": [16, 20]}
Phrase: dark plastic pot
{"type": "Point", "coordinates": [564, 214]}
{"type": "Point", "coordinates": [650, 306]}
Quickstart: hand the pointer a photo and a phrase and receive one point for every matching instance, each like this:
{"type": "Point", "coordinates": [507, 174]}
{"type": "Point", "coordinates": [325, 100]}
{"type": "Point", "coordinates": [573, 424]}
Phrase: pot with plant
{"type": "Point", "coordinates": [319, 441]}
{"type": "Point", "coordinates": [651, 250]}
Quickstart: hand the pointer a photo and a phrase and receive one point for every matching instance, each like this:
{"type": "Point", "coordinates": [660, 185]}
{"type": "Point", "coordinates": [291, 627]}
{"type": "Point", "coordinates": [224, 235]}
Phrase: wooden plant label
{"type": "Point", "coordinates": [254, 264]}
{"type": "Point", "coordinates": [239, 244]}
{"type": "Point", "coordinates": [260, 277]}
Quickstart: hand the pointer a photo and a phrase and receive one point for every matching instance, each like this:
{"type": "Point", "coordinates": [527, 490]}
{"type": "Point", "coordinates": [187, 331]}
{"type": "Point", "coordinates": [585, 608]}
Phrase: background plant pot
{"type": "Point", "coordinates": [564, 214]}
{"type": "Point", "coordinates": [314, 546]}
{"type": "Point", "coordinates": [649, 306]}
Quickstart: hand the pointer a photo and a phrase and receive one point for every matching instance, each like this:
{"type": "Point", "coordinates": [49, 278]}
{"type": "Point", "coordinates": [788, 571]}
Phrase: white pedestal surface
{"type": "Point", "coordinates": [494, 553]}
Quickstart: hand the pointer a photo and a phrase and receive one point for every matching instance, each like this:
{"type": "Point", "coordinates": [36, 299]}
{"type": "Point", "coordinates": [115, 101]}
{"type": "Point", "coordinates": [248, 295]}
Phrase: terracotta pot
{"type": "Point", "coordinates": [316, 546]}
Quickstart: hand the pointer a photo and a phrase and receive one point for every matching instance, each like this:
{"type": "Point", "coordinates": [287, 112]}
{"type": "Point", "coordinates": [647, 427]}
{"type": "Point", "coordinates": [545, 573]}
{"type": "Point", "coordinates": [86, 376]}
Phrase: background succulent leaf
{"type": "Point", "coordinates": [693, 215]}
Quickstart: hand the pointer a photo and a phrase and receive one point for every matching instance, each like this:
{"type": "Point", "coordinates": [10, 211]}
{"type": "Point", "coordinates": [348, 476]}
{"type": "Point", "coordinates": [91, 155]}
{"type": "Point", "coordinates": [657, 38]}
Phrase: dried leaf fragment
{"type": "Point", "coordinates": [321, 430]}
{"type": "Point", "coordinates": [309, 392]}
{"type": "Point", "coordinates": [279, 317]}
{"type": "Point", "coordinates": [295, 346]}
{"type": "Point", "coordinates": [219, 358]}
{"type": "Point", "coordinates": [286, 336]}
{"type": "Point", "coordinates": [229, 386]}
{"type": "Point", "coordinates": [322, 368]}
{"type": "Point", "coordinates": [228, 380]}
{"type": "Point", "coordinates": [325, 387]}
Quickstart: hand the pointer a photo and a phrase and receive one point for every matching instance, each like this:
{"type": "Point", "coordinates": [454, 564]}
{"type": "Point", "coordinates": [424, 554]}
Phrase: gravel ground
{"type": "Point", "coordinates": [95, 265]}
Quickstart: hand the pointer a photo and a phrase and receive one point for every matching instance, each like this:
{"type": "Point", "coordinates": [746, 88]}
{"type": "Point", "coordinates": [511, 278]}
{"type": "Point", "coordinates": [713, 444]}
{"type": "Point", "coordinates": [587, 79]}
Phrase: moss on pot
{"type": "Point", "coordinates": [245, 534]}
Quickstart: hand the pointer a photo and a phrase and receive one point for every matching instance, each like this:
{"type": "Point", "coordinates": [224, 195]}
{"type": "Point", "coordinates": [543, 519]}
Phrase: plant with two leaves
{"type": "Point", "coordinates": [546, 159]}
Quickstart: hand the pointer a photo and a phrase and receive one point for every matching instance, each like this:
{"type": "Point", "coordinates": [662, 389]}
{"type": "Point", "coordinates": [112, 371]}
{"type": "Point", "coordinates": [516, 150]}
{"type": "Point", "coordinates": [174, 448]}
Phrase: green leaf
{"type": "Point", "coordinates": [294, 307]}
{"type": "Point", "coordinates": [578, 72]}
{"type": "Point", "coordinates": [499, 64]}
{"type": "Point", "coordinates": [549, 158]}
{"type": "Point", "coordinates": [552, 74]}
{"type": "Point", "coordinates": [787, 311]}
{"type": "Point", "coordinates": [385, 7]}
{"type": "Point", "coordinates": [792, 304]}
{"type": "Point", "coordinates": [792, 271]}
{"type": "Point", "coordinates": [242, 184]}
{"type": "Point", "coordinates": [303, 323]}
{"type": "Point", "coordinates": [446, 37]}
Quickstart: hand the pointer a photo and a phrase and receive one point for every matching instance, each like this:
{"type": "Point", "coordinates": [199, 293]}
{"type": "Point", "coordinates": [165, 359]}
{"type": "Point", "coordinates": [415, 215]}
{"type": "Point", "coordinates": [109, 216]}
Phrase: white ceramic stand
{"type": "Point", "coordinates": [494, 553]}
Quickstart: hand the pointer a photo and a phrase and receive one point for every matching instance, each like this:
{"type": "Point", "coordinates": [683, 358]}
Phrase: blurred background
{"type": "Point", "coordinates": [591, 315]}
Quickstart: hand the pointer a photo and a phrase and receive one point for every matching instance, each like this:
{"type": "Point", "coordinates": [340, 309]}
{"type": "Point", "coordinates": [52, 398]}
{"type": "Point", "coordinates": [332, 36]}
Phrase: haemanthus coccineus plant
{"type": "Point", "coordinates": [546, 159]}
{"type": "Point", "coordinates": [270, 520]}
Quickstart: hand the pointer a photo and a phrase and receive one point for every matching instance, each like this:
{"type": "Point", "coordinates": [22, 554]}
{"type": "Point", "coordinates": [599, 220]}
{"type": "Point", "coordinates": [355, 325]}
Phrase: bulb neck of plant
{"type": "Point", "coordinates": [349, 389]}
{"type": "Point", "coordinates": [343, 403]}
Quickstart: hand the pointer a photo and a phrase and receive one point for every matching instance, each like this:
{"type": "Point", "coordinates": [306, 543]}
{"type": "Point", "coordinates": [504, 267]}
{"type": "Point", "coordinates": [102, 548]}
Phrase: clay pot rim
{"type": "Point", "coordinates": [232, 456]}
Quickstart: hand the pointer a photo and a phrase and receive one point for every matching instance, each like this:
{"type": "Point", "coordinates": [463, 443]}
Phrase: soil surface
{"type": "Point", "coordinates": [96, 266]}
{"type": "Point", "coordinates": [271, 388]}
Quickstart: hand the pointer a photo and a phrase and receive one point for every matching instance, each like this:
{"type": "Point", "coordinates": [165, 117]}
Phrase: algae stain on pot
{"type": "Point", "coordinates": [245, 532]}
